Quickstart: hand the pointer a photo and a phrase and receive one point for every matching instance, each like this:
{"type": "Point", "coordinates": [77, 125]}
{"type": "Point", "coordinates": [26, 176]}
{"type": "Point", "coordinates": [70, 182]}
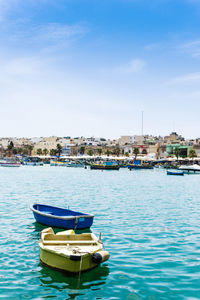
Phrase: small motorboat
{"type": "Point", "coordinates": [175, 172]}
{"type": "Point", "coordinates": [60, 217]}
{"type": "Point", "coordinates": [70, 252]}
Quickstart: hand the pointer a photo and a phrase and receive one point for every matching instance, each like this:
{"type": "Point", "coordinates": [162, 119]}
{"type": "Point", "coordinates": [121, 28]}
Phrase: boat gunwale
{"type": "Point", "coordinates": [53, 251]}
{"type": "Point", "coordinates": [58, 217]}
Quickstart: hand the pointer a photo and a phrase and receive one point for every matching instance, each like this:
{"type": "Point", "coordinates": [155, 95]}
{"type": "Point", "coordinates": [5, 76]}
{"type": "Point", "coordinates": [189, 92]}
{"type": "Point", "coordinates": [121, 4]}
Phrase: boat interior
{"type": "Point", "coordinates": [67, 237]}
{"type": "Point", "coordinates": [56, 211]}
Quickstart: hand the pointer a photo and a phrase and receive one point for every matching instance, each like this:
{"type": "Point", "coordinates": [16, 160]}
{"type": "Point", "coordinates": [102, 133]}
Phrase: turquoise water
{"type": "Point", "coordinates": [150, 224]}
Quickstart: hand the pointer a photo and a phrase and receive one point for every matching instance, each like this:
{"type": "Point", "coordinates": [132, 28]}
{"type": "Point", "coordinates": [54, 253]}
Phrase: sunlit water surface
{"type": "Point", "coordinates": [150, 224]}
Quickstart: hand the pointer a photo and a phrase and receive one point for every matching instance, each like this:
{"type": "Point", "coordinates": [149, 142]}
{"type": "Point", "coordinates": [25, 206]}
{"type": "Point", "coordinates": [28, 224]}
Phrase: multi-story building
{"type": "Point", "coordinates": [125, 140]}
{"type": "Point", "coordinates": [174, 138]}
{"type": "Point", "coordinates": [46, 143]}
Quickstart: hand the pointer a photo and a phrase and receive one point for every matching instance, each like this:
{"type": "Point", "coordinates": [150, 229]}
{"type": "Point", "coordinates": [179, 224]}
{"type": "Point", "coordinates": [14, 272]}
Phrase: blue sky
{"type": "Point", "coordinates": [88, 67]}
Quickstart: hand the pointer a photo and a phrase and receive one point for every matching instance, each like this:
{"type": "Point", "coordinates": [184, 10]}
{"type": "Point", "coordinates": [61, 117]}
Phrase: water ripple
{"type": "Point", "coordinates": [150, 223]}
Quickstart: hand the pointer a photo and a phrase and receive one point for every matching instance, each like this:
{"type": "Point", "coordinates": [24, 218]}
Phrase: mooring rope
{"type": "Point", "coordinates": [79, 275]}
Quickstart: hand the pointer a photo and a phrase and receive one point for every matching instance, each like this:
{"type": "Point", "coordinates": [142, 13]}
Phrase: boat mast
{"type": "Point", "coordinates": [142, 122]}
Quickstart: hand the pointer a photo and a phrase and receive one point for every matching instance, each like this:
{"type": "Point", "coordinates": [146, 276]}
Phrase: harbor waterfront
{"type": "Point", "coordinates": [150, 224]}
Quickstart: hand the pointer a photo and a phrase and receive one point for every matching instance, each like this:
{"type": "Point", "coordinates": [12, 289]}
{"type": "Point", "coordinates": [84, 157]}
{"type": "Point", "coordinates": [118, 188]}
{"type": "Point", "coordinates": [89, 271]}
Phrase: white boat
{"type": "Point", "coordinates": [9, 163]}
{"type": "Point", "coordinates": [192, 168]}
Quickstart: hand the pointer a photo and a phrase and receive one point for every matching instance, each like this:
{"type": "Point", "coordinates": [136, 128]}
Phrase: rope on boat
{"type": "Point", "coordinates": [76, 223]}
{"type": "Point", "coordinates": [79, 275]}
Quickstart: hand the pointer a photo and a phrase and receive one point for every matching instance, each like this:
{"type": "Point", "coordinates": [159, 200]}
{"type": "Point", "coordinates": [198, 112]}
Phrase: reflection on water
{"type": "Point", "coordinates": [37, 227]}
{"type": "Point", "coordinates": [92, 279]}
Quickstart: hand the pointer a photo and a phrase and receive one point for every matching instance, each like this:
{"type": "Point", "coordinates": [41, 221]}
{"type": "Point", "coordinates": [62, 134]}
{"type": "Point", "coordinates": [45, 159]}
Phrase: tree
{"type": "Point", "coordinates": [14, 151]}
{"type": "Point", "coordinates": [192, 153]}
{"type": "Point", "coordinates": [90, 152]}
{"type": "Point", "coordinates": [107, 152]}
{"type": "Point", "coordinates": [177, 152]}
{"type": "Point", "coordinates": [39, 151]}
{"type": "Point", "coordinates": [30, 148]}
{"type": "Point", "coordinates": [25, 151]}
{"type": "Point", "coordinates": [20, 150]}
{"type": "Point", "coordinates": [136, 152]}
{"type": "Point", "coordinates": [59, 149]}
{"type": "Point", "coordinates": [126, 154]}
{"type": "Point", "coordinates": [45, 151]}
{"type": "Point", "coordinates": [82, 149]}
{"type": "Point", "coordinates": [53, 152]}
{"type": "Point", "coordinates": [99, 151]}
{"type": "Point", "coordinates": [10, 147]}
{"type": "Point", "coordinates": [117, 151]}
{"type": "Point", "coordinates": [158, 151]}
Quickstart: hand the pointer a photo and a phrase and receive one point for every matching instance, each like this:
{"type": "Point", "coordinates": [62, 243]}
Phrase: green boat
{"type": "Point", "coordinates": [105, 166]}
{"type": "Point", "coordinates": [139, 167]}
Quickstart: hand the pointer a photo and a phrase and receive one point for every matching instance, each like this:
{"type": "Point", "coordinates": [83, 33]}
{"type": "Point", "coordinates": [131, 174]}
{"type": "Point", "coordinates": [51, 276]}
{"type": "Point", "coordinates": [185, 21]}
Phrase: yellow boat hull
{"type": "Point", "coordinates": [62, 263]}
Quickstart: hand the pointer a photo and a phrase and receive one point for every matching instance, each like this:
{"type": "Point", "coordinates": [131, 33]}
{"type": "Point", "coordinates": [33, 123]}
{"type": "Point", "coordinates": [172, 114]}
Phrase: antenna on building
{"type": "Point", "coordinates": [142, 121]}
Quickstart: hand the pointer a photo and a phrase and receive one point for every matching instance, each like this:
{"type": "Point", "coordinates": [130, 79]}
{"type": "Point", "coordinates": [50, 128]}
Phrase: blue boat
{"type": "Point", "coordinates": [175, 172]}
{"type": "Point", "coordinates": [60, 217]}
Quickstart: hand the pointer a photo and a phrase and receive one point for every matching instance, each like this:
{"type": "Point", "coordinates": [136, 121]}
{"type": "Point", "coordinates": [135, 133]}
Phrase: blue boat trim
{"type": "Point", "coordinates": [59, 217]}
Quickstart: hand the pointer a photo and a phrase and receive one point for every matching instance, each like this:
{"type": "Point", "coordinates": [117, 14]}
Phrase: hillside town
{"type": "Point", "coordinates": [155, 147]}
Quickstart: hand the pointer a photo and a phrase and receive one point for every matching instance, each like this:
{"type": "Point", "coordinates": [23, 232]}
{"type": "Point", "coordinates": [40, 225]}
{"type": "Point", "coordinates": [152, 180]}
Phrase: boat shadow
{"type": "Point", "coordinates": [37, 227]}
{"type": "Point", "coordinates": [92, 279]}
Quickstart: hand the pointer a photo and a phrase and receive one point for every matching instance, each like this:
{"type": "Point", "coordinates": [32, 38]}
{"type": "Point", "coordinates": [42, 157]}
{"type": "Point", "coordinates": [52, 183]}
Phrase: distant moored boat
{"type": "Point", "coordinates": [109, 165]}
{"type": "Point", "coordinates": [9, 163]}
{"type": "Point", "coordinates": [175, 172]}
{"type": "Point", "coordinates": [139, 167]}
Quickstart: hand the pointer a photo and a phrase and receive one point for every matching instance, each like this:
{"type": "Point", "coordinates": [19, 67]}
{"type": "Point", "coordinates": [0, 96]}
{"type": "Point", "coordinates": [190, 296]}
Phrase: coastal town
{"type": "Point", "coordinates": [100, 150]}
{"type": "Point", "coordinates": [154, 147]}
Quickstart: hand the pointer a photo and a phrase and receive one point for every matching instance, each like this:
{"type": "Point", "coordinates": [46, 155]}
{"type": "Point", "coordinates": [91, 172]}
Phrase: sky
{"type": "Point", "coordinates": [90, 67]}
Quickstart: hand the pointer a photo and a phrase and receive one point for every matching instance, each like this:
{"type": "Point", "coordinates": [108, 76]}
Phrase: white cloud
{"type": "Point", "coordinates": [50, 36]}
{"type": "Point", "coordinates": [22, 66]}
{"type": "Point", "coordinates": [188, 78]}
{"type": "Point", "coordinates": [134, 66]}
{"type": "Point", "coordinates": [193, 48]}
{"type": "Point", "coordinates": [5, 6]}
{"type": "Point", "coordinates": [21, 30]}
{"type": "Point", "coordinates": [55, 32]}
{"type": "Point", "coordinates": [153, 46]}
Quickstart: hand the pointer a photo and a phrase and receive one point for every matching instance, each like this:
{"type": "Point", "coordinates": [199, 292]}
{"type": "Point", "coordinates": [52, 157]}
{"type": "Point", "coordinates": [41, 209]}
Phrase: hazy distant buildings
{"type": "Point", "coordinates": [174, 138]}
{"type": "Point", "coordinates": [147, 145]}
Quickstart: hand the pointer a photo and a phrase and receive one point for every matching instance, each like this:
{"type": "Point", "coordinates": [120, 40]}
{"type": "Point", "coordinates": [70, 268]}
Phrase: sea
{"type": "Point", "coordinates": [149, 222]}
